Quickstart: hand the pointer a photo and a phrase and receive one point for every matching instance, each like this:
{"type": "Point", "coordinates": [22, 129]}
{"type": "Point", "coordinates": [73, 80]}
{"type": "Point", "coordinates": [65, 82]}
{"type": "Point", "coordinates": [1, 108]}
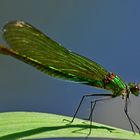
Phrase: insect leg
{"type": "Point", "coordinates": [129, 119]}
{"type": "Point", "coordinates": [82, 99]}
{"type": "Point", "coordinates": [93, 104]}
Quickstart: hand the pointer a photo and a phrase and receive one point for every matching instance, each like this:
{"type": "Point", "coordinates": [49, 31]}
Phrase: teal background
{"type": "Point", "coordinates": [106, 31]}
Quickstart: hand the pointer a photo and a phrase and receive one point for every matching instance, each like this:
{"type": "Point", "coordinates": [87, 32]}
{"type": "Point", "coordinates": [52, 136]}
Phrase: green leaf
{"type": "Point", "coordinates": [32, 125]}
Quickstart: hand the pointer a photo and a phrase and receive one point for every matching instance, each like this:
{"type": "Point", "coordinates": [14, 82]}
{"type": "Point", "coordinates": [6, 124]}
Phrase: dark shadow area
{"type": "Point", "coordinates": [31, 132]}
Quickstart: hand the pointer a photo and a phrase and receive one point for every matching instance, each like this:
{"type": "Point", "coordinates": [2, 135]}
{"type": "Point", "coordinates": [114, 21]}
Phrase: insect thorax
{"type": "Point", "coordinates": [116, 84]}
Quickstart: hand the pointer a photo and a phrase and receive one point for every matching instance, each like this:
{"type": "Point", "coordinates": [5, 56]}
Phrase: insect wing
{"type": "Point", "coordinates": [49, 56]}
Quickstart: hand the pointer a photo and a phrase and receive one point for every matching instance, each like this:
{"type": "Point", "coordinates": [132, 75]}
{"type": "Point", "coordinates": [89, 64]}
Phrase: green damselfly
{"type": "Point", "coordinates": [33, 47]}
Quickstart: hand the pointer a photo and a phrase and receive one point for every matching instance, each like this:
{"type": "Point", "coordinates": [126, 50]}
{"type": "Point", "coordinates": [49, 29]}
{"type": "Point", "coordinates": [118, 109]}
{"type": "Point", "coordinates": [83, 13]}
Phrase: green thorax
{"type": "Point", "coordinates": [114, 83]}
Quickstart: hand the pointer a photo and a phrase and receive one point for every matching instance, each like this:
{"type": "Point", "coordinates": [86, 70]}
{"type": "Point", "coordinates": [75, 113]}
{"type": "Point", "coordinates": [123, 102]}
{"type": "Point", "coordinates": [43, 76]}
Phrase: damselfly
{"type": "Point", "coordinates": [33, 47]}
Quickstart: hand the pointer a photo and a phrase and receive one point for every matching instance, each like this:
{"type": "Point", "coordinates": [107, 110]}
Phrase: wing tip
{"type": "Point", "coordinates": [14, 23]}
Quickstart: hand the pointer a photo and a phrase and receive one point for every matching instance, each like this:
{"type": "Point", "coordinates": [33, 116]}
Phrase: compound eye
{"type": "Point", "coordinates": [135, 90]}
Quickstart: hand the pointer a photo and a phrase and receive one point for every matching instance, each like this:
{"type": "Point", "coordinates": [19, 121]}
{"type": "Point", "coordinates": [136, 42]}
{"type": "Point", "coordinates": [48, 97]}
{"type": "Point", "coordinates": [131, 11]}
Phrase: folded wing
{"type": "Point", "coordinates": [33, 47]}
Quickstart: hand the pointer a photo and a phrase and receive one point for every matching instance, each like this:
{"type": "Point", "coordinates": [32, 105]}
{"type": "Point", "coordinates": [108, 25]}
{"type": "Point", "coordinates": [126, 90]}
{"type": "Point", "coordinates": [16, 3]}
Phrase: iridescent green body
{"type": "Point", "coordinates": [33, 47]}
{"type": "Point", "coordinates": [116, 84]}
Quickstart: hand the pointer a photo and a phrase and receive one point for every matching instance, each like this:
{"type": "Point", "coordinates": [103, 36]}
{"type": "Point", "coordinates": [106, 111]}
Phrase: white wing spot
{"type": "Point", "coordinates": [19, 24]}
{"type": "Point", "coordinates": [4, 30]}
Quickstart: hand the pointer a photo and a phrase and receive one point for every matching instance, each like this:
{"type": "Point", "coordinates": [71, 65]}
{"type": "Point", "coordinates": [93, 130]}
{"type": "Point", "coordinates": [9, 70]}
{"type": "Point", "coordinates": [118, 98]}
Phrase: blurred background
{"type": "Point", "coordinates": [107, 32]}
